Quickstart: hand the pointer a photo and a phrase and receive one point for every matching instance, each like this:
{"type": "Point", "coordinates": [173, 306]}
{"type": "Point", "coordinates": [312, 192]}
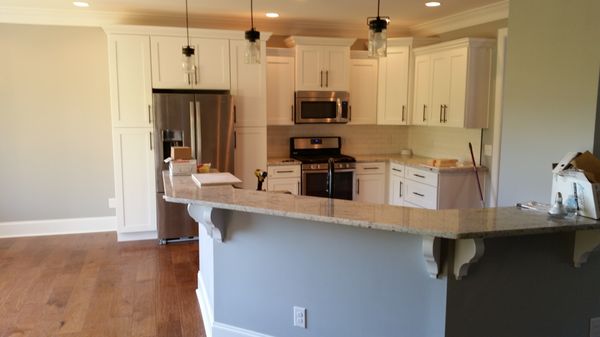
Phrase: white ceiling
{"type": "Point", "coordinates": [337, 14]}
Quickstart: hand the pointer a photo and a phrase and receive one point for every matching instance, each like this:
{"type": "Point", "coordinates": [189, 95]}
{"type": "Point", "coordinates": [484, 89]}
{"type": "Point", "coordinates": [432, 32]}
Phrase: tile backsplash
{"type": "Point", "coordinates": [445, 142]}
{"type": "Point", "coordinates": [356, 139]}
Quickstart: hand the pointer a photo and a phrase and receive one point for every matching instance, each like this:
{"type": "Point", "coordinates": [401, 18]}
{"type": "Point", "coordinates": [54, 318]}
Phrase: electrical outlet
{"type": "Point", "coordinates": [595, 327]}
{"type": "Point", "coordinates": [300, 317]}
{"type": "Point", "coordinates": [112, 203]}
{"type": "Point", "coordinates": [487, 150]}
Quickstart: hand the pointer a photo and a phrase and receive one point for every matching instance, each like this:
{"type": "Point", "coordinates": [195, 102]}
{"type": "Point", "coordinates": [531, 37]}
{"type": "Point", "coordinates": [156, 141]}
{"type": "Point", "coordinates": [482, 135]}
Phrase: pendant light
{"type": "Point", "coordinates": [188, 60]}
{"type": "Point", "coordinates": [378, 34]}
{"type": "Point", "coordinates": [252, 54]}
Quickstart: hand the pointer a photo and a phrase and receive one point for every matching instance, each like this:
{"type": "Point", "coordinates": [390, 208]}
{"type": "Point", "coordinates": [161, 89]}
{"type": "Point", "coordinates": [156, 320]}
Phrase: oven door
{"type": "Point", "coordinates": [314, 183]}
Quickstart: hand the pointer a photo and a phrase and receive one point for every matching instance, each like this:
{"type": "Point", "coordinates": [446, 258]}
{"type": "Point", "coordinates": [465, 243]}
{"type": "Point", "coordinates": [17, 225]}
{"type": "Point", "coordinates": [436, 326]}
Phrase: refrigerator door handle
{"type": "Point", "coordinates": [192, 128]}
{"type": "Point", "coordinates": [198, 135]}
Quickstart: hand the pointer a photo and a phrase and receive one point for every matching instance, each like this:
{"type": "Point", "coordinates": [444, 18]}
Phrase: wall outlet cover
{"type": "Point", "coordinates": [112, 203]}
{"type": "Point", "coordinates": [487, 150]}
{"type": "Point", "coordinates": [300, 317]}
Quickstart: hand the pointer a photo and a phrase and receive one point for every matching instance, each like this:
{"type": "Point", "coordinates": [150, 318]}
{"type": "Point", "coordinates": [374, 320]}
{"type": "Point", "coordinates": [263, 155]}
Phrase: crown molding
{"type": "Point", "coordinates": [489, 13]}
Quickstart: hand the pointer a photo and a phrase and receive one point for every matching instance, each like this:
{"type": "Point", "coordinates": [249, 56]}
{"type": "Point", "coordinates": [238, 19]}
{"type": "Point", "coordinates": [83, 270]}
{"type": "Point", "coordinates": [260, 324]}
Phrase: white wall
{"type": "Point", "coordinates": [550, 92]}
{"type": "Point", "coordinates": [55, 137]}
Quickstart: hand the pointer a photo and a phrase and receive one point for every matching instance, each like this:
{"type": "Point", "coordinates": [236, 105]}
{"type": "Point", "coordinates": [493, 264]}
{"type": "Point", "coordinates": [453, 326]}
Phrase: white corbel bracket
{"type": "Point", "coordinates": [586, 242]}
{"type": "Point", "coordinates": [466, 253]}
{"type": "Point", "coordinates": [204, 216]}
{"type": "Point", "coordinates": [431, 253]}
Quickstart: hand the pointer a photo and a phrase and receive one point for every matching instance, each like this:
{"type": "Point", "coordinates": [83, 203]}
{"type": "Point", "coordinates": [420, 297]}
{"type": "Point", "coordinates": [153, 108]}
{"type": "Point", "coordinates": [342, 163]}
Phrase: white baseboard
{"type": "Point", "coordinates": [225, 330]}
{"type": "Point", "coordinates": [136, 236]}
{"type": "Point", "coordinates": [57, 226]}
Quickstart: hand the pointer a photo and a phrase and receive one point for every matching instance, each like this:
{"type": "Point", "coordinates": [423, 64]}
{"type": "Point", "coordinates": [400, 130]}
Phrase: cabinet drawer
{"type": "Point", "coordinates": [421, 194]}
{"type": "Point", "coordinates": [422, 176]}
{"type": "Point", "coordinates": [370, 168]}
{"type": "Point", "coordinates": [397, 170]}
{"type": "Point", "coordinates": [284, 171]}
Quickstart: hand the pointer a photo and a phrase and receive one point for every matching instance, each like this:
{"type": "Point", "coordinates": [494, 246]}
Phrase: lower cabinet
{"type": "Point", "coordinates": [397, 187]}
{"type": "Point", "coordinates": [370, 182]}
{"type": "Point", "coordinates": [284, 178]}
{"type": "Point", "coordinates": [135, 184]}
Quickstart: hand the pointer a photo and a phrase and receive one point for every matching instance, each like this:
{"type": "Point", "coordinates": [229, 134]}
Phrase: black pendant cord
{"type": "Point", "coordinates": [252, 14]}
{"type": "Point", "coordinates": [187, 25]}
{"type": "Point", "coordinates": [378, 3]}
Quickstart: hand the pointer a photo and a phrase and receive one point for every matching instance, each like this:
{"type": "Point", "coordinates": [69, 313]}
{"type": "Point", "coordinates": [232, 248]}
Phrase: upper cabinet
{"type": "Point", "coordinates": [392, 103]}
{"type": "Point", "coordinates": [130, 78]}
{"type": "Point", "coordinates": [280, 90]}
{"type": "Point", "coordinates": [321, 63]}
{"type": "Point", "coordinates": [363, 91]}
{"type": "Point", "coordinates": [452, 83]}
{"type": "Point", "coordinates": [212, 61]}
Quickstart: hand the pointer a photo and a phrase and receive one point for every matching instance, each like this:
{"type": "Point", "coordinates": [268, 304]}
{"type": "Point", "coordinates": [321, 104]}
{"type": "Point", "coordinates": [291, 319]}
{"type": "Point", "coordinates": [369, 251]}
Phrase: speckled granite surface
{"type": "Point", "coordinates": [451, 224]}
{"type": "Point", "coordinates": [416, 161]}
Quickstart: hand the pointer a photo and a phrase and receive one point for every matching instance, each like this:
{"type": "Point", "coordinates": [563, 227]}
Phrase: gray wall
{"type": "Point", "coordinates": [353, 282]}
{"type": "Point", "coordinates": [55, 136]}
{"type": "Point", "coordinates": [550, 92]}
{"type": "Point", "coordinates": [525, 286]}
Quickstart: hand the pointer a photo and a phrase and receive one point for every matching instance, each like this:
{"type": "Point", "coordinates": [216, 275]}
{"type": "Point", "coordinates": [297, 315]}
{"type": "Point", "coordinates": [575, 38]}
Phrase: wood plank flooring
{"type": "Point", "coordinates": [90, 285]}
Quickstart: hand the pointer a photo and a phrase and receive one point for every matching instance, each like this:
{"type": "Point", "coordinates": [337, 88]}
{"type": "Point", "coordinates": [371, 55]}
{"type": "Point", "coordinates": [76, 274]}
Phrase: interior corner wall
{"type": "Point", "coordinates": [55, 133]}
{"type": "Point", "coordinates": [550, 92]}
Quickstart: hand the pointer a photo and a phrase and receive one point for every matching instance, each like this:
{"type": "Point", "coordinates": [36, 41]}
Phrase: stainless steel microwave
{"type": "Point", "coordinates": [321, 107]}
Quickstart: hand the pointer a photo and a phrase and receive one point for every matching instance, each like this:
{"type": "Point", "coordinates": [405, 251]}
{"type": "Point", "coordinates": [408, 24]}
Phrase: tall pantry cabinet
{"type": "Point", "coordinates": [132, 126]}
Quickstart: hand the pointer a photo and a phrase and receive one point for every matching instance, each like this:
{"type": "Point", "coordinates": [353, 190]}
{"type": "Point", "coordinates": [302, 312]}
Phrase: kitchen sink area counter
{"type": "Point", "coordinates": [282, 161]}
{"type": "Point", "coordinates": [412, 160]}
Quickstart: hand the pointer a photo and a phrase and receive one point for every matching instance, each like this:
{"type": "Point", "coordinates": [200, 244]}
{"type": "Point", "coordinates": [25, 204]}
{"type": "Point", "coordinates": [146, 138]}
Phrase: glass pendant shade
{"type": "Point", "coordinates": [252, 53]}
{"type": "Point", "coordinates": [188, 60]}
{"type": "Point", "coordinates": [377, 38]}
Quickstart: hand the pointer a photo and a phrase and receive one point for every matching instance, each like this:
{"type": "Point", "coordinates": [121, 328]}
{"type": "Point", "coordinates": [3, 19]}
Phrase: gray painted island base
{"type": "Point", "coordinates": [359, 281]}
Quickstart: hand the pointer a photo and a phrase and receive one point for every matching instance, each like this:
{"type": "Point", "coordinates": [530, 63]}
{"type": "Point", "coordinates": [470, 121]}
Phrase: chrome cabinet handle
{"type": "Point", "coordinates": [149, 114]}
{"type": "Point", "coordinates": [234, 139]}
{"type": "Point", "coordinates": [424, 107]}
{"type": "Point", "coordinates": [298, 187]}
{"type": "Point", "coordinates": [419, 176]}
{"type": "Point", "coordinates": [357, 186]}
{"type": "Point", "coordinates": [445, 113]}
{"type": "Point", "coordinates": [195, 75]}
{"type": "Point", "coordinates": [441, 108]}
{"type": "Point", "coordinates": [292, 109]}
{"type": "Point", "coordinates": [150, 134]}
{"type": "Point", "coordinates": [234, 114]}
{"type": "Point", "coordinates": [419, 194]}
{"type": "Point", "coordinates": [327, 78]}
{"type": "Point", "coordinates": [400, 191]}
{"type": "Point", "coordinates": [350, 113]}
{"type": "Point", "coordinates": [397, 170]}
{"type": "Point", "coordinates": [286, 171]}
{"type": "Point", "coordinates": [370, 168]}
{"type": "Point", "coordinates": [321, 78]}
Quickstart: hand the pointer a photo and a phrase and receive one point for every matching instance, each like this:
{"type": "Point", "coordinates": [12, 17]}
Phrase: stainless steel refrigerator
{"type": "Point", "coordinates": [202, 120]}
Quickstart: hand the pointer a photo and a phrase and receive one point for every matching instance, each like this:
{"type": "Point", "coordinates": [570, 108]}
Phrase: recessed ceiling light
{"type": "Point", "coordinates": [432, 4]}
{"type": "Point", "coordinates": [272, 15]}
{"type": "Point", "coordinates": [81, 4]}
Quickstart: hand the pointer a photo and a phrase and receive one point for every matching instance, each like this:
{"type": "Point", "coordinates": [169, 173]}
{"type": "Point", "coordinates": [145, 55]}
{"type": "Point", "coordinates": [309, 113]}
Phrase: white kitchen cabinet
{"type": "Point", "coordinates": [453, 83]}
{"type": "Point", "coordinates": [280, 90]}
{"type": "Point", "coordinates": [392, 106]}
{"type": "Point", "coordinates": [321, 63]}
{"type": "Point", "coordinates": [212, 61]}
{"type": "Point", "coordinates": [130, 80]}
{"type": "Point", "coordinates": [284, 178]}
{"type": "Point", "coordinates": [370, 182]}
{"type": "Point", "coordinates": [248, 87]}
{"type": "Point", "coordinates": [363, 91]}
{"type": "Point", "coordinates": [250, 154]}
{"type": "Point", "coordinates": [135, 189]}
{"type": "Point", "coordinates": [397, 184]}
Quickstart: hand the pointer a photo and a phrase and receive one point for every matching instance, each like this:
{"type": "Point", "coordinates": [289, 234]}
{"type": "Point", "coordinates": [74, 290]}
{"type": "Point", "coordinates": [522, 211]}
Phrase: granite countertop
{"type": "Point", "coordinates": [282, 161]}
{"type": "Point", "coordinates": [451, 224]}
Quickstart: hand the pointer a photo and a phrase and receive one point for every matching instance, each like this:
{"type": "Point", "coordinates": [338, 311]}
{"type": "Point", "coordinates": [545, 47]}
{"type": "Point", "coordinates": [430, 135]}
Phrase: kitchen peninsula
{"type": "Point", "coordinates": [363, 269]}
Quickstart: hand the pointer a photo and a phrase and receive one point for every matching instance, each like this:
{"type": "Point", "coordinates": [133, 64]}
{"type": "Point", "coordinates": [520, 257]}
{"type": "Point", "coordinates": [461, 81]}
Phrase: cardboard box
{"type": "Point", "coordinates": [181, 152]}
{"type": "Point", "coordinates": [573, 184]}
{"type": "Point", "coordinates": [182, 167]}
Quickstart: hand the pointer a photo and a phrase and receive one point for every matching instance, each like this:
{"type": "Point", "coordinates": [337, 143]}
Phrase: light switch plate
{"type": "Point", "coordinates": [595, 327]}
{"type": "Point", "coordinates": [487, 150]}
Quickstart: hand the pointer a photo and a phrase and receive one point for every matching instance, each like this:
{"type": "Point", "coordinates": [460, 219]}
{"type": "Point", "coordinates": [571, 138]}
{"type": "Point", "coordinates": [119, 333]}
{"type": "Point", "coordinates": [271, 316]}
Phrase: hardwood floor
{"type": "Point", "coordinates": [91, 285]}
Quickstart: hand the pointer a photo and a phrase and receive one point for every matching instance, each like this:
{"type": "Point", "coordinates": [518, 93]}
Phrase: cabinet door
{"type": "Point", "coordinates": [422, 94]}
{"type": "Point", "coordinates": [397, 190]}
{"type": "Point", "coordinates": [291, 185]}
{"type": "Point", "coordinates": [250, 154]}
{"type": "Point", "coordinates": [309, 68]}
{"type": "Point", "coordinates": [280, 90]}
{"type": "Point", "coordinates": [213, 64]}
{"type": "Point", "coordinates": [454, 111]}
{"type": "Point", "coordinates": [440, 86]}
{"type": "Point", "coordinates": [167, 72]}
{"type": "Point", "coordinates": [135, 188]}
{"type": "Point", "coordinates": [337, 68]}
{"type": "Point", "coordinates": [130, 80]}
{"type": "Point", "coordinates": [370, 188]}
{"type": "Point", "coordinates": [248, 87]}
{"type": "Point", "coordinates": [363, 91]}
{"type": "Point", "coordinates": [393, 96]}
